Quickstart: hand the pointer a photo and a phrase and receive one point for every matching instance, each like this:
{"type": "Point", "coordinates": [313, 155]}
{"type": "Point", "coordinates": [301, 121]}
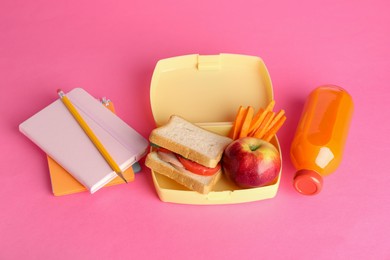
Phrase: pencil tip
{"type": "Point", "coordinates": [121, 176]}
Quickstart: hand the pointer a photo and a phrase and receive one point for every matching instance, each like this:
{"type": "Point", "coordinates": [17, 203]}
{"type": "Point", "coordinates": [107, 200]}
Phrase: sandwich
{"type": "Point", "coordinates": [187, 154]}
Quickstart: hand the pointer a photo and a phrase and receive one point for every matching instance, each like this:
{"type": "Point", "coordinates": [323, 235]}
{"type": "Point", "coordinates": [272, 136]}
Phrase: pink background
{"type": "Point", "coordinates": [110, 49]}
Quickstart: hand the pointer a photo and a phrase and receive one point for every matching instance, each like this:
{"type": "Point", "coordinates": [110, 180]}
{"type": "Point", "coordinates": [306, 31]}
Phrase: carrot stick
{"type": "Point", "coordinates": [258, 119]}
{"type": "Point", "coordinates": [237, 123]}
{"type": "Point", "coordinates": [263, 126]}
{"type": "Point", "coordinates": [246, 122]}
{"type": "Point", "coordinates": [270, 106]}
{"type": "Point", "coordinates": [279, 115]}
{"type": "Point", "coordinates": [268, 136]}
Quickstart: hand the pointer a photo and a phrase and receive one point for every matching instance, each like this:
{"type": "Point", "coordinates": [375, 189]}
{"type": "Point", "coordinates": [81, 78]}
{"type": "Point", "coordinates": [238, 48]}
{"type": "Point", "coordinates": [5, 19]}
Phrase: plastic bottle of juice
{"type": "Point", "coordinates": [318, 144]}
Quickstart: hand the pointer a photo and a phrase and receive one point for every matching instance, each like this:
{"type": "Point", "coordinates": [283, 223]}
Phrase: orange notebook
{"type": "Point", "coordinates": [63, 183]}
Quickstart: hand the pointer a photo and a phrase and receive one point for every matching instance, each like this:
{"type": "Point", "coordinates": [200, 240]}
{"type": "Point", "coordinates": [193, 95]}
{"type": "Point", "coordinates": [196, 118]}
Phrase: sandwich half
{"type": "Point", "coordinates": [188, 154]}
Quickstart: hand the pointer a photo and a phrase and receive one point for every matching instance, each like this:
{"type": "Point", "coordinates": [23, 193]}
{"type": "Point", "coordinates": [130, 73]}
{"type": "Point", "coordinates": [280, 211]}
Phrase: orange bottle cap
{"type": "Point", "coordinates": [308, 182]}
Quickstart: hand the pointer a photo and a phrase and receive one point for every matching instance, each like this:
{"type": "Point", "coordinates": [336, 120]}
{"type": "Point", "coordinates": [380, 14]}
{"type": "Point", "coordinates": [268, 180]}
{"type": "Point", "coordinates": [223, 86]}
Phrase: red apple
{"type": "Point", "coordinates": [251, 162]}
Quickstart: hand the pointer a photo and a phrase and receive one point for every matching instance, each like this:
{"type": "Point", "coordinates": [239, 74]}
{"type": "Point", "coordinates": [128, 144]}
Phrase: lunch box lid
{"type": "Point", "coordinates": [208, 88]}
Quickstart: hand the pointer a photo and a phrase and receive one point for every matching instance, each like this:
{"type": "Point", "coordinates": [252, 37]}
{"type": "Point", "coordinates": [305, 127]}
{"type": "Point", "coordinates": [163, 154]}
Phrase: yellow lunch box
{"type": "Point", "coordinates": [207, 90]}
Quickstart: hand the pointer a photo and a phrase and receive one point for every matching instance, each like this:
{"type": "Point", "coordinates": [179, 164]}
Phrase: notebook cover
{"type": "Point", "coordinates": [63, 183]}
{"type": "Point", "coordinates": [56, 132]}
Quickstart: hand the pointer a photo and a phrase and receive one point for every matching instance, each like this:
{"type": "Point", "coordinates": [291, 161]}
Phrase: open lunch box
{"type": "Point", "coordinates": [207, 90]}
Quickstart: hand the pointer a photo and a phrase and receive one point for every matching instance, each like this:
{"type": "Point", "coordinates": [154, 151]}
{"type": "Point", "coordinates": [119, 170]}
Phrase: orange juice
{"type": "Point", "coordinates": [319, 141]}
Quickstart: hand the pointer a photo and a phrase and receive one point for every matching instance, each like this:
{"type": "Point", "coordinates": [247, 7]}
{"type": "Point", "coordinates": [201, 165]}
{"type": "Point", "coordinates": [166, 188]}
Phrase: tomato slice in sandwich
{"type": "Point", "coordinates": [198, 168]}
{"type": "Point", "coordinates": [163, 150]}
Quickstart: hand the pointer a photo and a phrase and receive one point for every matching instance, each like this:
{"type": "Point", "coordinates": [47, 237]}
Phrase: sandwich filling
{"type": "Point", "coordinates": [180, 162]}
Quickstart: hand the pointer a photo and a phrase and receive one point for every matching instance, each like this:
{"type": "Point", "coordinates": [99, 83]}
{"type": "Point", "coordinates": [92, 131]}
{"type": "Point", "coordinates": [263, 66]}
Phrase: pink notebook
{"type": "Point", "coordinates": [57, 133]}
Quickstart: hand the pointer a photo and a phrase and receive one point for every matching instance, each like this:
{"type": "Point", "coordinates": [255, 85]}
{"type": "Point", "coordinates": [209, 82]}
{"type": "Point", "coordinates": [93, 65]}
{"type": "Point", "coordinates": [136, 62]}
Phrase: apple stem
{"type": "Point", "coordinates": [254, 147]}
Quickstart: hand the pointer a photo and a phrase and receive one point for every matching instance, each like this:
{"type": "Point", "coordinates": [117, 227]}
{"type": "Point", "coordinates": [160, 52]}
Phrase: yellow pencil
{"type": "Point", "coordinates": [114, 166]}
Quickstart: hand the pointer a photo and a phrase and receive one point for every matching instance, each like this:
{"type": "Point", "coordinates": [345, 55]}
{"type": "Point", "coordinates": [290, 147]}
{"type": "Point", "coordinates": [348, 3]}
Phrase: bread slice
{"type": "Point", "coordinates": [190, 141]}
{"type": "Point", "coordinates": [195, 182]}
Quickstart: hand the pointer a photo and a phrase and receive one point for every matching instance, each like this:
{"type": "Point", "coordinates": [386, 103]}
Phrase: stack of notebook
{"type": "Point", "coordinates": [74, 162]}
